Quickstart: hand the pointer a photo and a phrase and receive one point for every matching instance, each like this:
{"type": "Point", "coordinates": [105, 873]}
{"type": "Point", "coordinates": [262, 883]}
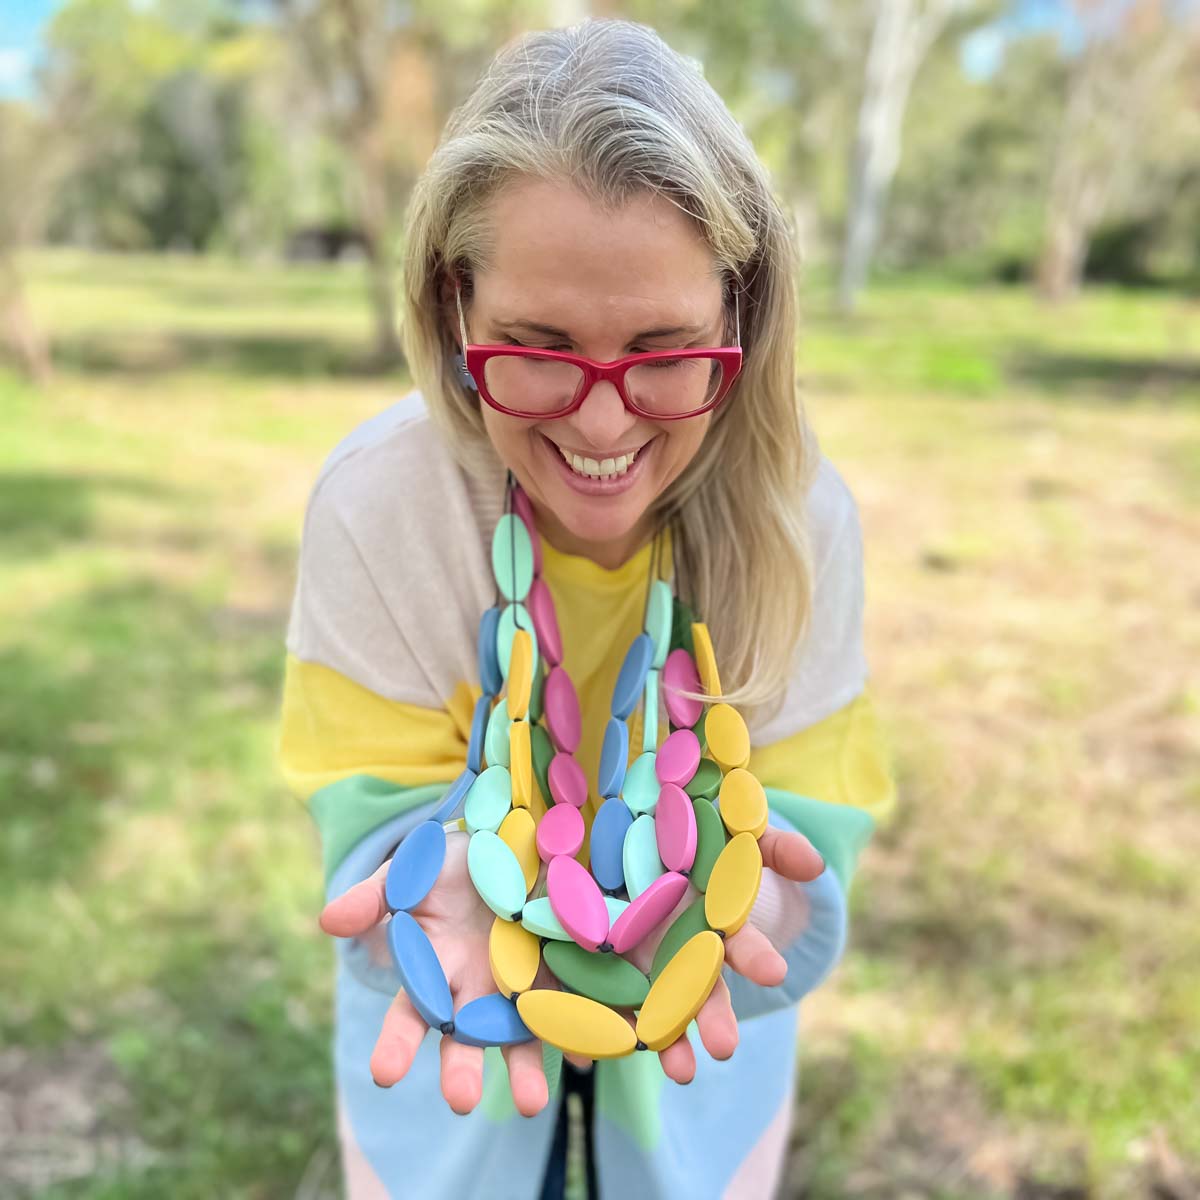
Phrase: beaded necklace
{"type": "Point", "coordinates": [686, 810]}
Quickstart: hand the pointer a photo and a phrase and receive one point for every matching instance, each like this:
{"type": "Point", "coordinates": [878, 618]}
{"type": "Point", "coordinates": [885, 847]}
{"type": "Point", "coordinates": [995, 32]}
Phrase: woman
{"type": "Point", "coordinates": [593, 198]}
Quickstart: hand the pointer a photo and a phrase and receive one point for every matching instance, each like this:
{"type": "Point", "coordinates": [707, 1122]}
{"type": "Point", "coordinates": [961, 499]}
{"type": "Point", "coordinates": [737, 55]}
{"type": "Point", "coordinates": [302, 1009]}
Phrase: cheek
{"type": "Point", "coordinates": [684, 443]}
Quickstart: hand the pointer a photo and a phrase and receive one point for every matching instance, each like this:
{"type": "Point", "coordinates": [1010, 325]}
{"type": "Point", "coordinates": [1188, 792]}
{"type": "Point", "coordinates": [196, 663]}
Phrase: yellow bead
{"type": "Point", "coordinates": [520, 675]}
{"type": "Point", "coordinates": [727, 736]}
{"type": "Point", "coordinates": [733, 884]}
{"type": "Point", "coordinates": [706, 660]}
{"type": "Point", "coordinates": [519, 831]}
{"type": "Point", "coordinates": [515, 955]}
{"type": "Point", "coordinates": [743, 803]}
{"type": "Point", "coordinates": [576, 1024]}
{"type": "Point", "coordinates": [520, 763]}
{"type": "Point", "coordinates": [680, 990]}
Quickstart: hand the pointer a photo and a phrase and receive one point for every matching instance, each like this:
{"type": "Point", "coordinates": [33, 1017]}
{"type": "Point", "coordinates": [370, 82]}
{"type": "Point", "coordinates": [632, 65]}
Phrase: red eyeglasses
{"type": "Point", "coordinates": [663, 385]}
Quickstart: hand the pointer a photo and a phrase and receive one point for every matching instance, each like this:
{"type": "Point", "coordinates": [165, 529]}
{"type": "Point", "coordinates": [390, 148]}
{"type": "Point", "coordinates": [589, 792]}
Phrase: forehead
{"type": "Point", "coordinates": [558, 256]}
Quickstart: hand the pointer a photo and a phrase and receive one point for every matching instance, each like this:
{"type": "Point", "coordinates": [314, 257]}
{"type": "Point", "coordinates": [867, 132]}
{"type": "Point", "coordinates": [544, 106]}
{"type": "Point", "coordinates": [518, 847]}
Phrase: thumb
{"type": "Point", "coordinates": [357, 909]}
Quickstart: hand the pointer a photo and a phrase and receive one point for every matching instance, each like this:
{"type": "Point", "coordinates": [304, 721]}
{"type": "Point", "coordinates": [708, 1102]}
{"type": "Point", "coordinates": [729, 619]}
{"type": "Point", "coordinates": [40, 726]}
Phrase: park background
{"type": "Point", "coordinates": [201, 221]}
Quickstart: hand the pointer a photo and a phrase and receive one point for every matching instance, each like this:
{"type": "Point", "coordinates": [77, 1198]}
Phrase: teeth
{"type": "Point", "coordinates": [591, 469]}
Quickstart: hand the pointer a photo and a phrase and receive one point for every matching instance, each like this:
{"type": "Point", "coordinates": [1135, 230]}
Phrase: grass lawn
{"type": "Point", "coordinates": [1018, 1011]}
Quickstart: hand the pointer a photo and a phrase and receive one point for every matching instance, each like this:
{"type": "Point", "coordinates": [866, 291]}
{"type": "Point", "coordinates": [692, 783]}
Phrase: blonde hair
{"type": "Point", "coordinates": [607, 106]}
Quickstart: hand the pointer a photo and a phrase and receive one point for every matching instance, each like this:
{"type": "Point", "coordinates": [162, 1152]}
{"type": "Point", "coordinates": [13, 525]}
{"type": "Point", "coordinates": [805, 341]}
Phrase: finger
{"type": "Point", "coordinates": [749, 952]}
{"type": "Point", "coordinates": [579, 1061]}
{"type": "Point", "coordinates": [679, 1060]}
{"type": "Point", "coordinates": [526, 1077]}
{"type": "Point", "coordinates": [399, 1041]}
{"type": "Point", "coordinates": [717, 1022]}
{"type": "Point", "coordinates": [358, 909]}
{"type": "Point", "coordinates": [790, 854]}
{"type": "Point", "coordinates": [462, 1074]}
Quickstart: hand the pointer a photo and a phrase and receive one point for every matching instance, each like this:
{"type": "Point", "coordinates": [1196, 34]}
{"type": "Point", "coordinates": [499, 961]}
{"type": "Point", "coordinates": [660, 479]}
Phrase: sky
{"type": "Point", "coordinates": [21, 24]}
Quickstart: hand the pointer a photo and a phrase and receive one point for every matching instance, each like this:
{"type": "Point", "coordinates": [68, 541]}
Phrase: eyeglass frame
{"type": "Point", "coordinates": [476, 357]}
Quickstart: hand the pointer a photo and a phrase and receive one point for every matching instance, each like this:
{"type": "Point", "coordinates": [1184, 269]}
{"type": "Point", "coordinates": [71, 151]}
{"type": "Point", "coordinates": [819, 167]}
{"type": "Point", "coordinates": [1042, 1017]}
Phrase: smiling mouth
{"type": "Point", "coordinates": [586, 467]}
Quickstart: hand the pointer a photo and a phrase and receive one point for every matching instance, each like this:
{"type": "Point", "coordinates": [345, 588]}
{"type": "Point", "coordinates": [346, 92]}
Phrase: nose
{"type": "Point", "coordinates": [602, 420]}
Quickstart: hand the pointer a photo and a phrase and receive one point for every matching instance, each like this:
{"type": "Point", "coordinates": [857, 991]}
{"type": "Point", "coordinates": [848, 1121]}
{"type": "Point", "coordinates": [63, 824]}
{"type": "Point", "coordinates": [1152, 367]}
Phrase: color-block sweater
{"type": "Point", "coordinates": [381, 680]}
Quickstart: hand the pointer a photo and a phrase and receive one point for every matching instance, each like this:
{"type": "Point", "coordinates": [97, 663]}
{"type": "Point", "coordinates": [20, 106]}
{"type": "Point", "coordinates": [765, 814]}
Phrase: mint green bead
{"type": "Point", "coordinates": [538, 917]}
{"type": "Point", "coordinates": [639, 856]}
{"type": "Point", "coordinates": [496, 874]}
{"type": "Point", "coordinates": [616, 906]}
{"type": "Point", "coordinates": [495, 739]}
{"type": "Point", "coordinates": [506, 630]}
{"type": "Point", "coordinates": [660, 612]}
{"type": "Point", "coordinates": [641, 785]}
{"type": "Point", "coordinates": [512, 557]}
{"type": "Point", "coordinates": [650, 713]}
{"type": "Point", "coordinates": [489, 799]}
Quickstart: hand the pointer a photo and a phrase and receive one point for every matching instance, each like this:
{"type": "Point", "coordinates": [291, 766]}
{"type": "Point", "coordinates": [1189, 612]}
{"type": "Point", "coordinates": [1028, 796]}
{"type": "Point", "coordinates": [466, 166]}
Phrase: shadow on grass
{"type": "Point", "coordinates": [1104, 375]}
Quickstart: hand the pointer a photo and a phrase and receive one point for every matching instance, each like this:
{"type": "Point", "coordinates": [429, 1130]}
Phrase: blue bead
{"type": "Point", "coordinates": [632, 677]}
{"type": "Point", "coordinates": [419, 970]}
{"type": "Point", "coordinates": [614, 756]}
{"type": "Point", "coordinates": [490, 678]}
{"type": "Point", "coordinates": [415, 866]}
{"type": "Point", "coordinates": [609, 827]}
{"type": "Point", "coordinates": [454, 797]}
{"type": "Point", "coordinates": [490, 1020]}
{"type": "Point", "coordinates": [483, 710]}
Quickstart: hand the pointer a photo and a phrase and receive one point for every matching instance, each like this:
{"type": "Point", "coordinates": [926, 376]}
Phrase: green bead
{"type": "Point", "coordinates": [607, 978]}
{"type": "Point", "coordinates": [689, 922]}
{"type": "Point", "coordinates": [639, 856]}
{"type": "Point", "coordinates": [512, 557]}
{"type": "Point", "coordinates": [710, 841]}
{"type": "Point", "coordinates": [706, 782]}
{"type": "Point", "coordinates": [512, 617]}
{"type": "Point", "coordinates": [543, 752]}
{"type": "Point", "coordinates": [535, 695]}
{"type": "Point", "coordinates": [698, 730]}
{"type": "Point", "coordinates": [495, 739]}
{"type": "Point", "coordinates": [681, 627]}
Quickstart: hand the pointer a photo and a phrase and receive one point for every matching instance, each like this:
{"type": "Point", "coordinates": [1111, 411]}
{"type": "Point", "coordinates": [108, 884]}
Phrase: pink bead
{"type": "Point", "coordinates": [577, 900]}
{"type": "Point", "coordinates": [524, 510]}
{"type": "Point", "coordinates": [560, 831]}
{"type": "Point", "coordinates": [545, 622]}
{"type": "Point", "coordinates": [560, 706]}
{"type": "Point", "coordinates": [678, 758]}
{"type": "Point", "coordinates": [679, 673]}
{"type": "Point", "coordinates": [675, 828]}
{"type": "Point", "coordinates": [648, 909]}
{"type": "Point", "coordinates": [568, 783]}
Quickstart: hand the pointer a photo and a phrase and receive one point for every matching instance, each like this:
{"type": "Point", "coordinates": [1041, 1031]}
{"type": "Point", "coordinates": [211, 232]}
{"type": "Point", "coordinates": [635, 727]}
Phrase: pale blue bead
{"type": "Point", "coordinates": [614, 755]}
{"type": "Point", "coordinates": [490, 1020]}
{"type": "Point", "coordinates": [512, 557]}
{"type": "Point", "coordinates": [631, 679]}
{"type": "Point", "coordinates": [415, 866]}
{"type": "Point", "coordinates": [454, 797]}
{"type": "Point", "coordinates": [606, 847]}
{"type": "Point", "coordinates": [420, 972]}
{"type": "Point", "coordinates": [490, 679]}
{"type": "Point", "coordinates": [479, 724]}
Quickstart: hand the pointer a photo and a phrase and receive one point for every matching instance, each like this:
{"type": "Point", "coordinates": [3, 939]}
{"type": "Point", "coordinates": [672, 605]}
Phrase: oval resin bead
{"type": "Point", "coordinates": [733, 884]}
{"type": "Point", "coordinates": [743, 803]}
{"type": "Point", "coordinates": [576, 1024]}
{"type": "Point", "coordinates": [545, 622]}
{"type": "Point", "coordinates": [420, 972]}
{"type": "Point", "coordinates": [685, 926]}
{"type": "Point", "coordinates": [659, 613]}
{"type": "Point", "coordinates": [524, 509]}
{"type": "Point", "coordinates": [520, 675]}
{"type": "Point", "coordinates": [641, 787]}
{"type": "Point", "coordinates": [514, 955]}
{"type": "Point", "coordinates": [650, 712]}
{"type": "Point", "coordinates": [616, 906]}
{"type": "Point", "coordinates": [519, 833]}
{"type": "Point", "coordinates": [535, 695]}
{"type": "Point", "coordinates": [728, 737]}
{"type": "Point", "coordinates": [415, 866]}
{"type": "Point", "coordinates": [640, 856]}
{"type": "Point", "coordinates": [577, 901]}
{"type": "Point", "coordinates": [631, 679]}
{"type": "Point", "coordinates": [489, 800]}
{"type": "Point", "coordinates": [490, 678]}
{"type": "Point", "coordinates": [479, 724]}
{"type": "Point", "coordinates": [520, 763]}
{"type": "Point", "coordinates": [568, 783]}
{"type": "Point", "coordinates": [679, 674]}
{"type": "Point", "coordinates": [543, 753]}
{"type": "Point", "coordinates": [605, 978]}
{"type": "Point", "coordinates": [649, 909]}
{"type": "Point", "coordinates": [496, 874]}
{"type": "Point", "coordinates": [563, 719]}
{"type": "Point", "coordinates": [560, 831]}
{"type": "Point", "coordinates": [491, 1020]}
{"type": "Point", "coordinates": [706, 782]}
{"type": "Point", "coordinates": [512, 618]}
{"type": "Point", "coordinates": [710, 841]}
{"type": "Point", "coordinates": [675, 827]}
{"type": "Point", "coordinates": [609, 827]}
{"type": "Point", "coordinates": [538, 917]}
{"type": "Point", "coordinates": [614, 758]}
{"type": "Point", "coordinates": [680, 990]}
{"type": "Point", "coordinates": [454, 796]}
{"type": "Point", "coordinates": [706, 660]}
{"type": "Point", "coordinates": [495, 740]}
{"type": "Point", "coordinates": [512, 557]}
{"type": "Point", "coordinates": [678, 758]}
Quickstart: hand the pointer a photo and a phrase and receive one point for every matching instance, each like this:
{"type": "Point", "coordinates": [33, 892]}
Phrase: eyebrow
{"type": "Point", "coordinates": [644, 335]}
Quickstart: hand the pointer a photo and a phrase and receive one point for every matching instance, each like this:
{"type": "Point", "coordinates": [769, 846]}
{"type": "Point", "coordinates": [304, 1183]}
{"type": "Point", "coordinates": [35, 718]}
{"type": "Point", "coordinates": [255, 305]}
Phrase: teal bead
{"type": "Point", "coordinates": [640, 856]}
{"type": "Point", "coordinates": [512, 557]}
{"type": "Point", "coordinates": [490, 799]}
{"type": "Point", "coordinates": [650, 713]}
{"type": "Point", "coordinates": [512, 617]}
{"type": "Point", "coordinates": [659, 616]}
{"type": "Point", "coordinates": [640, 790]}
{"type": "Point", "coordinates": [538, 917]}
{"type": "Point", "coordinates": [616, 906]}
{"type": "Point", "coordinates": [496, 874]}
{"type": "Point", "coordinates": [495, 741]}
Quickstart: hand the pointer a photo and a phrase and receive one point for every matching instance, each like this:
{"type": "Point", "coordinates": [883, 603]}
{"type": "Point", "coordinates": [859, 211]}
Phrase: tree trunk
{"type": "Point", "coordinates": [18, 330]}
